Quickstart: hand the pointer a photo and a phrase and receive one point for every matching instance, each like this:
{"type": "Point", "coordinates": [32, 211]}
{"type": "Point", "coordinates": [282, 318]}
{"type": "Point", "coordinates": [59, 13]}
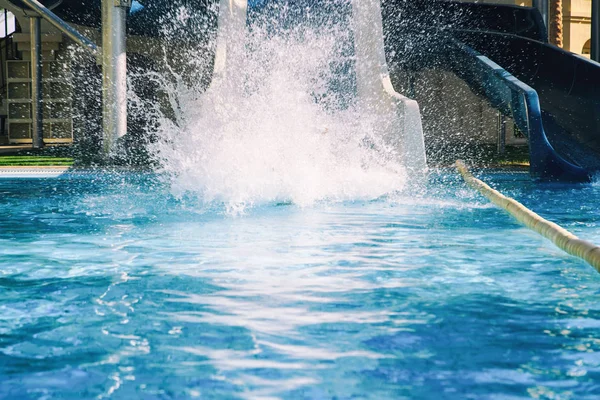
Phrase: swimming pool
{"type": "Point", "coordinates": [113, 288]}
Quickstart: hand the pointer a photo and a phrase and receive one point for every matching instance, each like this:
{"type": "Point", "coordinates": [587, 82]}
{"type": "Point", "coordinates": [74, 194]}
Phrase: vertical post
{"type": "Point", "coordinates": [4, 72]}
{"type": "Point", "coordinates": [501, 133]}
{"type": "Point", "coordinates": [542, 5]}
{"type": "Point", "coordinates": [36, 83]}
{"type": "Point", "coordinates": [230, 38]}
{"type": "Point", "coordinates": [114, 72]}
{"type": "Point", "coordinates": [545, 8]}
{"type": "Point", "coordinates": [595, 44]}
{"type": "Point", "coordinates": [555, 23]}
{"type": "Point", "coordinates": [5, 34]}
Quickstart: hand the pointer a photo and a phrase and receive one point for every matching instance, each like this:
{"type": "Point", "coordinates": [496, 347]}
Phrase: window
{"type": "Point", "coordinates": [7, 20]}
{"type": "Point", "coordinates": [587, 47]}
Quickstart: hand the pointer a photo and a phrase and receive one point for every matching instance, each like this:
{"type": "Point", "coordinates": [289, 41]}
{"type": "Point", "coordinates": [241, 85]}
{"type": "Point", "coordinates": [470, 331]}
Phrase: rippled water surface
{"type": "Point", "coordinates": [111, 288]}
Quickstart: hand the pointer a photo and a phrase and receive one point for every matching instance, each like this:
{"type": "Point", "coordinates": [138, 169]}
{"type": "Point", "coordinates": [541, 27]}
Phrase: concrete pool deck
{"type": "Point", "coordinates": [32, 171]}
{"type": "Point", "coordinates": [13, 149]}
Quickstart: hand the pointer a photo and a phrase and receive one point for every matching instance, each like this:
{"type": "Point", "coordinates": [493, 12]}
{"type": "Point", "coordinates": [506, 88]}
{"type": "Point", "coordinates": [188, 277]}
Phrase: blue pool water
{"type": "Point", "coordinates": [111, 288]}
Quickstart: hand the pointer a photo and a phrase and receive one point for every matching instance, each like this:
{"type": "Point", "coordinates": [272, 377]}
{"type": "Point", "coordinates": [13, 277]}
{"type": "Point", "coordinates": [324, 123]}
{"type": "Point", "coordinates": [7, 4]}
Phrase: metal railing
{"type": "Point", "coordinates": [62, 26]}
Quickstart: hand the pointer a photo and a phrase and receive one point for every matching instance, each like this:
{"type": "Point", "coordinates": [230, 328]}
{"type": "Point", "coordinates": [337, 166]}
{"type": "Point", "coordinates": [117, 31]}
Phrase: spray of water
{"type": "Point", "coordinates": [281, 126]}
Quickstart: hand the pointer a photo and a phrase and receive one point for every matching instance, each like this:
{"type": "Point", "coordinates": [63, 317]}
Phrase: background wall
{"type": "Point", "coordinates": [576, 19]}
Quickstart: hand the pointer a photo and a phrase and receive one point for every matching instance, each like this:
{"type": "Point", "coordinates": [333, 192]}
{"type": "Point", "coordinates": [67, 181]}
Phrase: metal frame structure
{"type": "Point", "coordinates": [114, 67]}
{"type": "Point", "coordinates": [62, 26]}
{"type": "Point", "coordinates": [36, 83]}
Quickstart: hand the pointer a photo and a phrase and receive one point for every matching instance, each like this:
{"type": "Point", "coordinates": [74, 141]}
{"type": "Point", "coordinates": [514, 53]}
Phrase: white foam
{"type": "Point", "coordinates": [276, 130]}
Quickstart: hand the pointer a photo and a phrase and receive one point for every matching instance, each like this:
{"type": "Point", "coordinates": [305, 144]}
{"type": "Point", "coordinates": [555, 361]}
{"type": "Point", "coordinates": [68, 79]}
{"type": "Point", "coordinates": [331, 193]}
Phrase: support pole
{"type": "Point", "coordinates": [36, 83]}
{"type": "Point", "coordinates": [114, 72]}
{"type": "Point", "coordinates": [5, 35]}
{"type": "Point", "coordinates": [595, 44]}
{"type": "Point", "coordinates": [542, 5]}
{"type": "Point", "coordinates": [501, 133]}
{"type": "Point", "coordinates": [555, 23]}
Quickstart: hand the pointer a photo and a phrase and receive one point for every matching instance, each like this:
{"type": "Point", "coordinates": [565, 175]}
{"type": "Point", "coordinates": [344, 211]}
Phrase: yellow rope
{"type": "Point", "coordinates": [559, 236]}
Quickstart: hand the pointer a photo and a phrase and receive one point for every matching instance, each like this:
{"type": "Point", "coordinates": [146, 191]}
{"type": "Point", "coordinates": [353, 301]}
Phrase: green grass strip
{"type": "Point", "coordinates": [12, 161]}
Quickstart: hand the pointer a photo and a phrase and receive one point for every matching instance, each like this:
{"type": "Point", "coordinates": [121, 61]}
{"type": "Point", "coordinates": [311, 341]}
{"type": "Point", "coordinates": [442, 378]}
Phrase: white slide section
{"type": "Point", "coordinates": [231, 30]}
{"type": "Point", "coordinates": [375, 89]}
{"type": "Point", "coordinates": [400, 116]}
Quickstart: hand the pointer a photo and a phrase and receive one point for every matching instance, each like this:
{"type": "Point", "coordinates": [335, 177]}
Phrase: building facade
{"type": "Point", "coordinates": [576, 22]}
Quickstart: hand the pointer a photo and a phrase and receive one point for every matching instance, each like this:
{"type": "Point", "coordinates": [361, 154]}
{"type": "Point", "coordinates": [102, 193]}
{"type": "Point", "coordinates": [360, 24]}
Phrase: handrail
{"type": "Point", "coordinates": [62, 26]}
{"type": "Point", "coordinates": [562, 238]}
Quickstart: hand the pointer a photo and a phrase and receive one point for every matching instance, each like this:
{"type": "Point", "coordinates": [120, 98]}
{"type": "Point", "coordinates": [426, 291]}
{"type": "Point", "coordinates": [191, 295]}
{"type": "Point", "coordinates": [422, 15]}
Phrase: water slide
{"type": "Point", "coordinates": [502, 53]}
{"type": "Point", "coordinates": [400, 116]}
{"type": "Point", "coordinates": [375, 89]}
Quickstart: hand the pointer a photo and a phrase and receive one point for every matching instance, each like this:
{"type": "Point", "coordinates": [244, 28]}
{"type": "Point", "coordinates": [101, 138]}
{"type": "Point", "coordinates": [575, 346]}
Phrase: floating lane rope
{"type": "Point", "coordinates": [562, 238]}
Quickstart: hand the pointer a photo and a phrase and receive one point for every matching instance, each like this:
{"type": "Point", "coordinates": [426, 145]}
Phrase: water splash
{"type": "Point", "coordinates": [280, 126]}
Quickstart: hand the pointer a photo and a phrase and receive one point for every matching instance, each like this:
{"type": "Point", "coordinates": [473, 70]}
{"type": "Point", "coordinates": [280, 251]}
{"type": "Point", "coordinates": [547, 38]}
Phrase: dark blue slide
{"type": "Point", "coordinates": [502, 53]}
